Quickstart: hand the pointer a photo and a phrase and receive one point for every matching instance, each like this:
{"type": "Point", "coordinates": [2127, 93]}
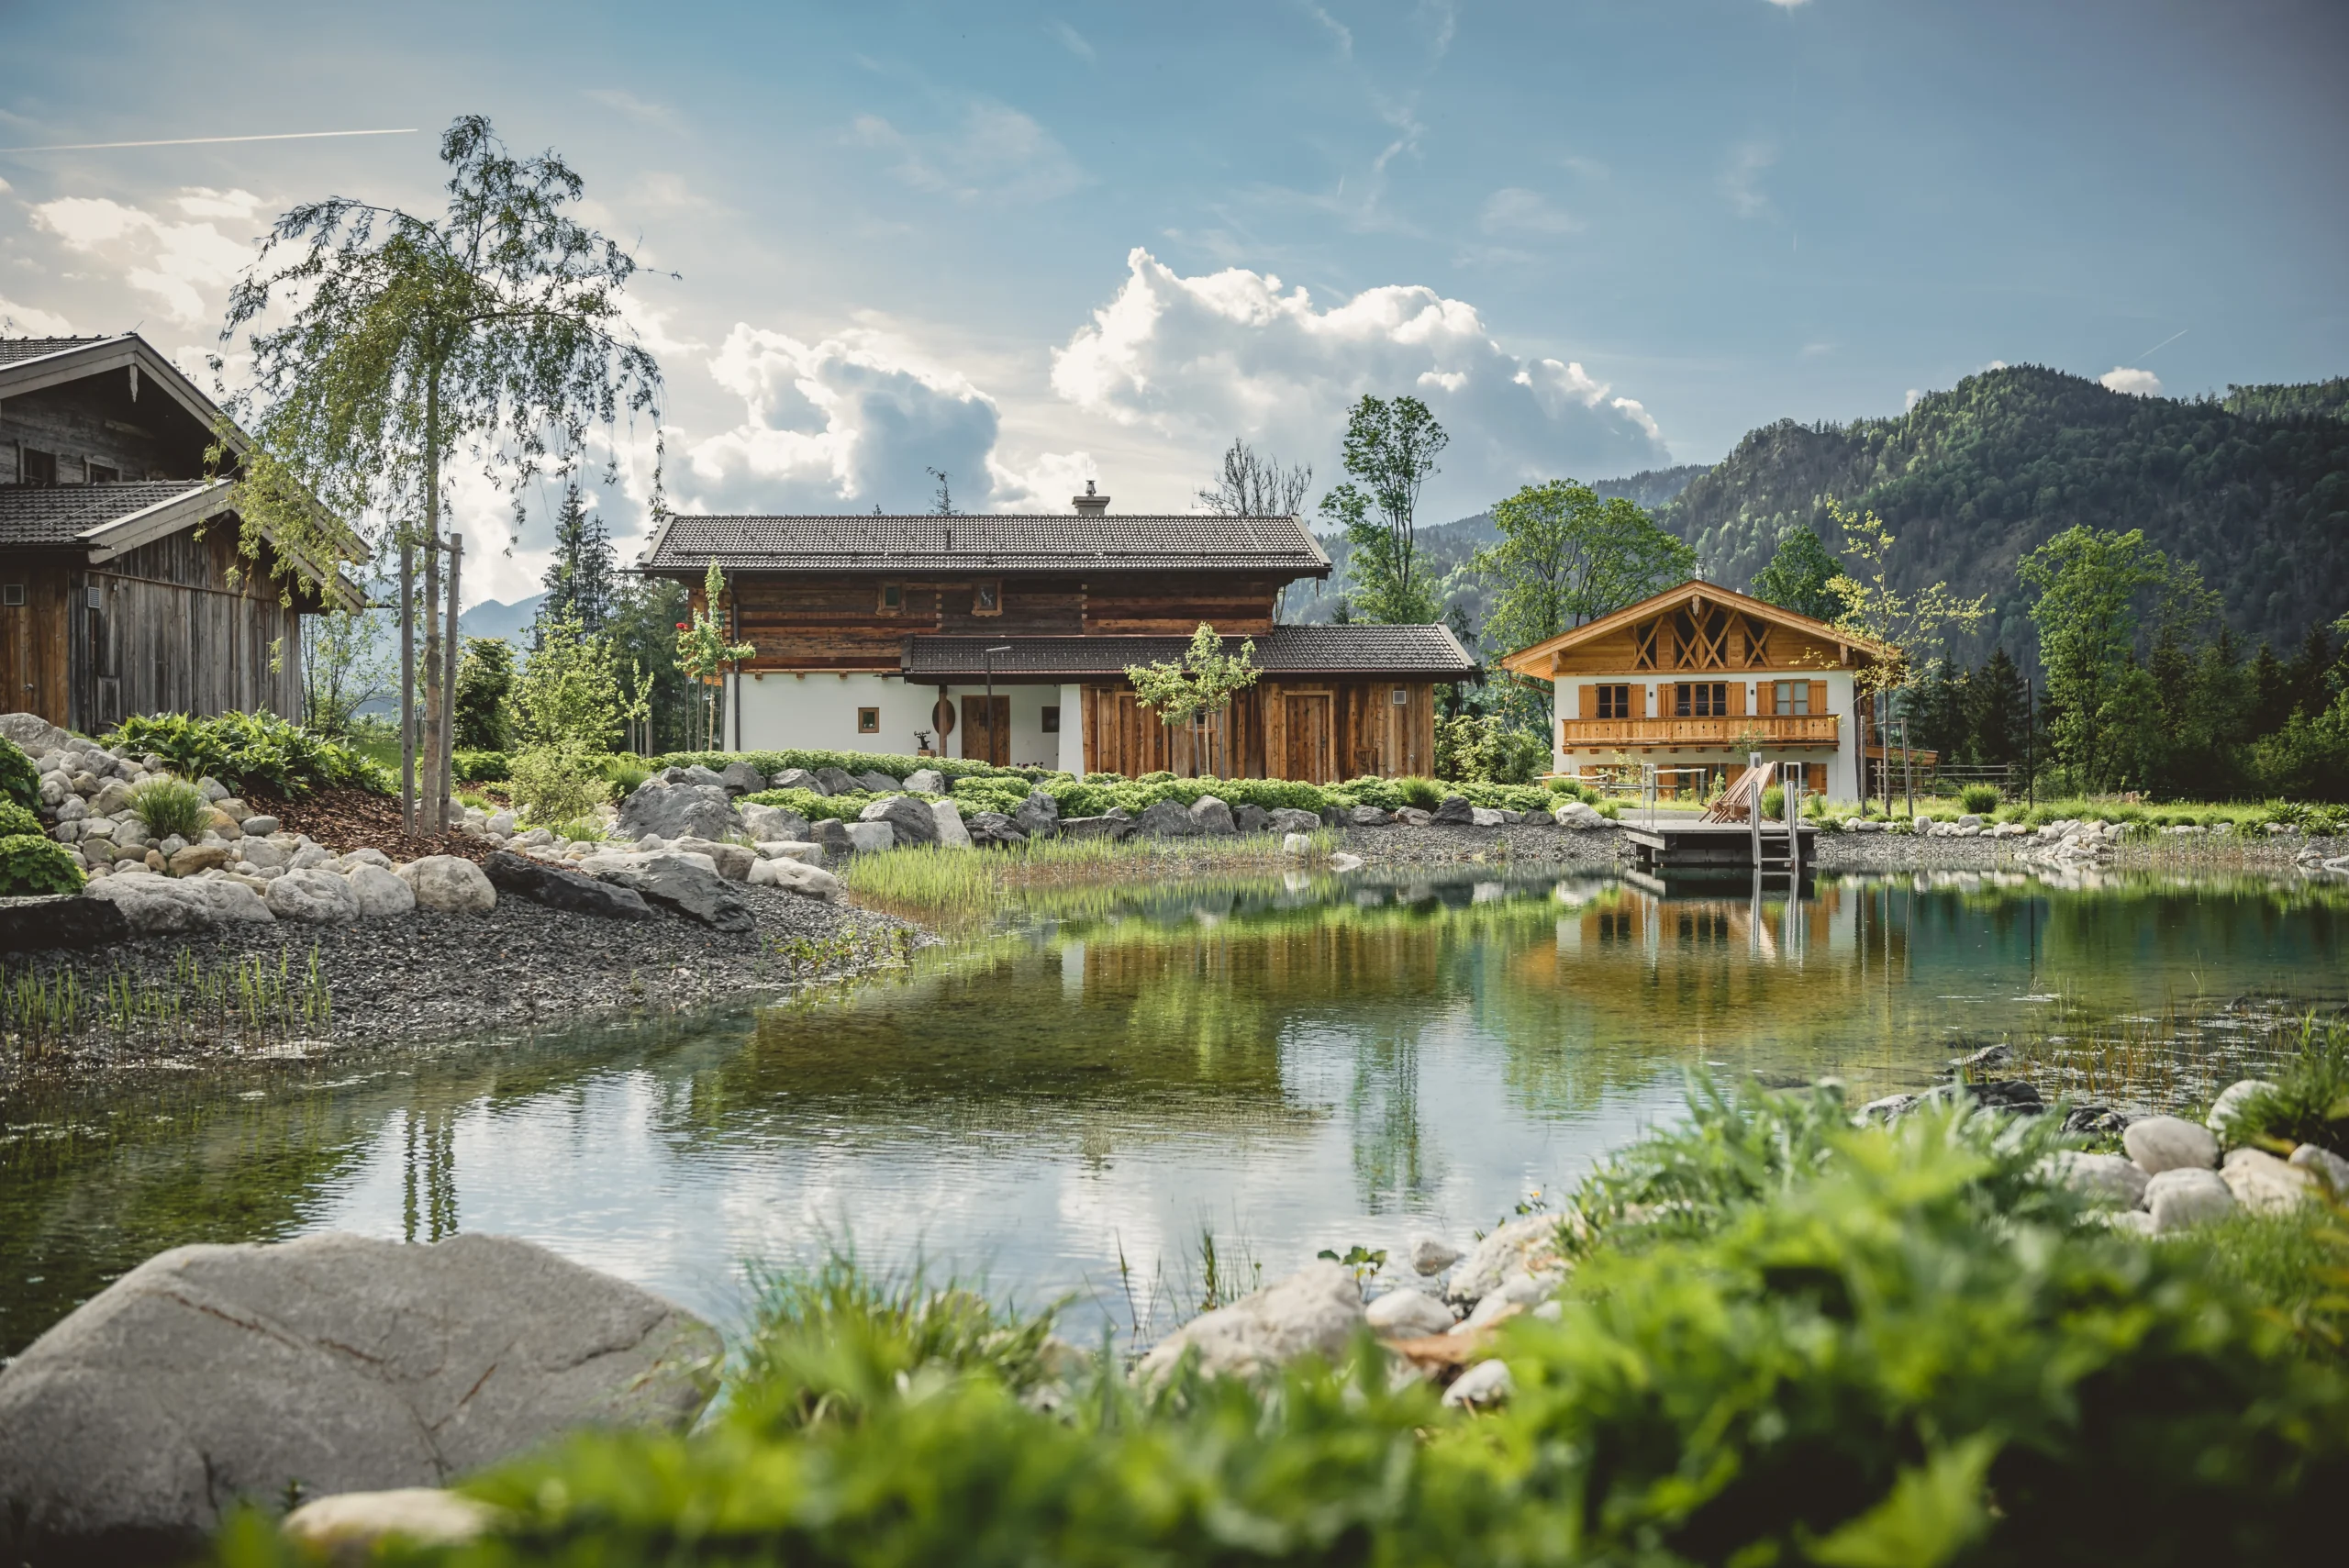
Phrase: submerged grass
{"type": "Point", "coordinates": [248, 1001]}
{"type": "Point", "coordinates": [966, 887]}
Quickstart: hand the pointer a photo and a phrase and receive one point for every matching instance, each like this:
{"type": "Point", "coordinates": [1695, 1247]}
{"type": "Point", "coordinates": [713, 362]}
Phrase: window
{"type": "Point", "coordinates": [893, 597]}
{"type": "Point", "coordinates": [1700, 699]}
{"type": "Point", "coordinates": [101, 474]}
{"type": "Point", "coordinates": [1402, 697]}
{"type": "Point", "coordinates": [1791, 696]}
{"type": "Point", "coordinates": [12, 593]}
{"type": "Point", "coordinates": [986, 598]}
{"type": "Point", "coordinates": [1615, 702]}
{"type": "Point", "coordinates": [1051, 719]}
{"type": "Point", "coordinates": [868, 721]}
{"type": "Point", "coordinates": [41, 468]}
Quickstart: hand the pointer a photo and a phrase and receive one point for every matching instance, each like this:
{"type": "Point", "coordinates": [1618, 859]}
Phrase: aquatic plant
{"type": "Point", "coordinates": [172, 808]}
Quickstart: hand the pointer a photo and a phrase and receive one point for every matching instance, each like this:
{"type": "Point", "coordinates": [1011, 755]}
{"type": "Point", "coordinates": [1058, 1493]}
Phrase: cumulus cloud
{"type": "Point", "coordinates": [2135, 381]}
{"type": "Point", "coordinates": [996, 153]}
{"type": "Point", "coordinates": [1516, 210]}
{"type": "Point", "coordinates": [1199, 360]}
{"type": "Point", "coordinates": [32, 321]}
{"type": "Point", "coordinates": [841, 423]}
{"type": "Point", "coordinates": [174, 263]}
{"type": "Point", "coordinates": [1910, 398]}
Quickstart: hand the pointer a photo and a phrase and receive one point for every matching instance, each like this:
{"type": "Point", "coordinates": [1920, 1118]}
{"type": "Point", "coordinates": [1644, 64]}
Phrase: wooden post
{"type": "Point", "coordinates": [1753, 817]}
{"type": "Point", "coordinates": [408, 686]}
{"type": "Point", "coordinates": [449, 689]}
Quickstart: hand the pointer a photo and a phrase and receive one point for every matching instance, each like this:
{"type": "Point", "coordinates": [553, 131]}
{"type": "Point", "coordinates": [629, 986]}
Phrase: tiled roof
{"type": "Point", "coordinates": [59, 514]}
{"type": "Point", "coordinates": [1425, 653]}
{"type": "Point", "coordinates": [994, 541]}
{"type": "Point", "coordinates": [14, 348]}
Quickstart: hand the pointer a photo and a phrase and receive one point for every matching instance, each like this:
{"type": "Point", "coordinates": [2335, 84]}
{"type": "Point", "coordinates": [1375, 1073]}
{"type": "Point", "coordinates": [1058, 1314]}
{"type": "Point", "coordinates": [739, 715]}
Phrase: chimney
{"type": "Point", "coordinates": [1089, 505]}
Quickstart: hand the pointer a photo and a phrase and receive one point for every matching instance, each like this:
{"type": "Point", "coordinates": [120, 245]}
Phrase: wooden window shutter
{"type": "Point", "coordinates": [1737, 699]}
{"type": "Point", "coordinates": [1589, 700]}
{"type": "Point", "coordinates": [1818, 698]}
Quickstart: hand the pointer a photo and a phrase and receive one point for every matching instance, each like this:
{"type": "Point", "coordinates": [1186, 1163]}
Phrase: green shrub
{"type": "Point", "coordinates": [483, 767]}
{"type": "Point", "coordinates": [241, 750]}
{"type": "Point", "coordinates": [1773, 803]}
{"type": "Point", "coordinates": [16, 822]}
{"type": "Point", "coordinates": [31, 864]}
{"type": "Point", "coordinates": [170, 806]}
{"type": "Point", "coordinates": [550, 787]}
{"type": "Point", "coordinates": [1980, 799]}
{"type": "Point", "coordinates": [19, 780]}
{"type": "Point", "coordinates": [2311, 1101]}
{"type": "Point", "coordinates": [1425, 793]}
{"type": "Point", "coordinates": [626, 772]}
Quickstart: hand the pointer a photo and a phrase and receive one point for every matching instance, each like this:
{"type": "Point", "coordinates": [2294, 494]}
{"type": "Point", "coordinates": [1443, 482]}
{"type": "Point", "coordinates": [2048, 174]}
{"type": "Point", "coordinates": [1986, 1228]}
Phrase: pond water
{"type": "Point", "coordinates": [1284, 1065]}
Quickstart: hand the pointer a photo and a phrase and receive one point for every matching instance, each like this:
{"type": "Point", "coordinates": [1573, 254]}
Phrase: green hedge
{"type": "Point", "coordinates": [483, 767]}
{"type": "Point", "coordinates": [898, 767]}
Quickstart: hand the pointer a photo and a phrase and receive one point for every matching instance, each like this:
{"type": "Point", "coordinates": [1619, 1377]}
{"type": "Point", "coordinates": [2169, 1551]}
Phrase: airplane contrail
{"type": "Point", "coordinates": [2163, 344]}
{"type": "Point", "coordinates": [206, 141]}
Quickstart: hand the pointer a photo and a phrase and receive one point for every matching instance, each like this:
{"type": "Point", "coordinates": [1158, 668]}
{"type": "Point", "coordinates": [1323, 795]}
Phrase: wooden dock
{"type": "Point", "coordinates": [1664, 846]}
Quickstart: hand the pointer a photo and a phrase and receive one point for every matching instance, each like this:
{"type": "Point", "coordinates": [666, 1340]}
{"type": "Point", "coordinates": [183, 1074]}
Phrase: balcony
{"type": "Point", "coordinates": [1778, 731]}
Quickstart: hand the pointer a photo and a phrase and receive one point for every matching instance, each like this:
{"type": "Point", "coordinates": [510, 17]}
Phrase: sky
{"type": "Point", "coordinates": [1034, 245]}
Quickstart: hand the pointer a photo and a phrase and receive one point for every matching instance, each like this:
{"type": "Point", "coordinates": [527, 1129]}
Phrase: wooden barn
{"type": "Point", "coordinates": [121, 589]}
{"type": "Point", "coordinates": [1007, 637]}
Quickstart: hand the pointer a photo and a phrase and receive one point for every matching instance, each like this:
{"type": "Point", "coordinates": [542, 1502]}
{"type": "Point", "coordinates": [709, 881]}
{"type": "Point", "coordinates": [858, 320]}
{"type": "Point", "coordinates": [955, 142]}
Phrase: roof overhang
{"type": "Point", "coordinates": [111, 539]}
{"type": "Point", "coordinates": [83, 360]}
{"type": "Point", "coordinates": [1541, 660]}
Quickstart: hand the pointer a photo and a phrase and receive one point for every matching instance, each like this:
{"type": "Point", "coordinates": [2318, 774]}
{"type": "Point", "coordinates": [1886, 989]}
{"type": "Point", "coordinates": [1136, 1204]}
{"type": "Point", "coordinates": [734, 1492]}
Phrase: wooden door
{"type": "Point", "coordinates": [1309, 747]}
{"type": "Point", "coordinates": [986, 736]}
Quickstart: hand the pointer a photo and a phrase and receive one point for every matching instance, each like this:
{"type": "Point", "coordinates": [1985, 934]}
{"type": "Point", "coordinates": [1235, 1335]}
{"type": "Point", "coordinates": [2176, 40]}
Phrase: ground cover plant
{"type": "Point", "coordinates": [19, 780]}
{"type": "Point", "coordinates": [32, 863]}
{"type": "Point", "coordinates": [1877, 1346]}
{"type": "Point", "coordinates": [241, 750]}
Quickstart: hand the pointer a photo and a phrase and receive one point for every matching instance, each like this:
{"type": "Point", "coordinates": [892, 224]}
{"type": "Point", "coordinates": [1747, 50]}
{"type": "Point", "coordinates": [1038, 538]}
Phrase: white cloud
{"type": "Point", "coordinates": [1200, 360]}
{"type": "Point", "coordinates": [1788, 4]}
{"type": "Point", "coordinates": [1910, 398]}
{"type": "Point", "coordinates": [2135, 381]}
{"type": "Point", "coordinates": [643, 111]}
{"type": "Point", "coordinates": [1514, 209]}
{"type": "Point", "coordinates": [1741, 181]}
{"type": "Point", "coordinates": [174, 264]}
{"type": "Point", "coordinates": [997, 154]}
{"type": "Point", "coordinates": [32, 321]}
{"type": "Point", "coordinates": [1339, 31]}
{"type": "Point", "coordinates": [1070, 40]}
{"type": "Point", "coordinates": [842, 423]}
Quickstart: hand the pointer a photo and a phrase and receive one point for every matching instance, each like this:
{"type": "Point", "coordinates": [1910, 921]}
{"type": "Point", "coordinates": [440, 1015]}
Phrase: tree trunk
{"type": "Point", "coordinates": [436, 790]}
{"type": "Point", "coordinates": [449, 681]}
{"type": "Point", "coordinates": [408, 686]}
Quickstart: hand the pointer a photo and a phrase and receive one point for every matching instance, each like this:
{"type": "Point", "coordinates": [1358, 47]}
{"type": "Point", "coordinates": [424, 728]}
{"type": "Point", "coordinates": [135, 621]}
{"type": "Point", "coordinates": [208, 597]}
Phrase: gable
{"type": "Point", "coordinates": [1694, 627]}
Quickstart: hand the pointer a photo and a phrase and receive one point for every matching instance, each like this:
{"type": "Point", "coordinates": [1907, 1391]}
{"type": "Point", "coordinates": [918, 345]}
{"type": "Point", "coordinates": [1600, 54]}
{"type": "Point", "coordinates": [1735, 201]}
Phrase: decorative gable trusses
{"type": "Point", "coordinates": [1698, 627]}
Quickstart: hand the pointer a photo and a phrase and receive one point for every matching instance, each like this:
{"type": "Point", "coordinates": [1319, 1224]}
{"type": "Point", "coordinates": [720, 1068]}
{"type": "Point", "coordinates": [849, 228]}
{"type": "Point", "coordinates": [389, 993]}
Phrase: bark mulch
{"type": "Point", "coordinates": [352, 819]}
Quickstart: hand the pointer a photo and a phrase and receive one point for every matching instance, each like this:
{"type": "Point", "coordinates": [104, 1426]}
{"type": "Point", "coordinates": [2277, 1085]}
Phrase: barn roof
{"type": "Point", "coordinates": [1403, 652]}
{"type": "Point", "coordinates": [992, 542]}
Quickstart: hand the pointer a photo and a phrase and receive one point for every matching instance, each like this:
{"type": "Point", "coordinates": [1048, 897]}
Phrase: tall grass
{"type": "Point", "coordinates": [248, 1001]}
{"type": "Point", "coordinates": [933, 883]}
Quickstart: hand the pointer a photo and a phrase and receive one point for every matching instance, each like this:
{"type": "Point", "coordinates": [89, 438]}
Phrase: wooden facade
{"type": "Point", "coordinates": [1312, 731]}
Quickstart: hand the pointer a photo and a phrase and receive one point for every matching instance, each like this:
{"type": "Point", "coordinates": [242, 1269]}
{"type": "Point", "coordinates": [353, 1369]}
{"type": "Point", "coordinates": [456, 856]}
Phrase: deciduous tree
{"type": "Point", "coordinates": [2088, 583]}
{"type": "Point", "coordinates": [1193, 690]}
{"type": "Point", "coordinates": [1390, 450]}
{"type": "Point", "coordinates": [1801, 576]}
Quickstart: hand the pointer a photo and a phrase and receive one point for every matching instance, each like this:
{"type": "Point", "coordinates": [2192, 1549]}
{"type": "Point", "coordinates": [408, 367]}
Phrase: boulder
{"type": "Point", "coordinates": [913, 820]}
{"type": "Point", "coordinates": [1250, 818]}
{"type": "Point", "coordinates": [1527, 1245]}
{"type": "Point", "coordinates": [1412, 817]}
{"type": "Point", "coordinates": [1485, 1384]}
{"type": "Point", "coordinates": [307, 855]}
{"type": "Point", "coordinates": [1165, 819]}
{"type": "Point", "coordinates": [733, 861]}
{"type": "Point", "coordinates": [381, 893]}
{"type": "Point", "coordinates": [1368, 816]}
{"type": "Point", "coordinates": [2104, 1180]}
{"type": "Point", "coordinates": [952, 833]}
{"type": "Point", "coordinates": [796, 876]}
{"type": "Point", "coordinates": [926, 780]}
{"type": "Point", "coordinates": [35, 735]}
{"type": "Point", "coordinates": [314, 897]}
{"type": "Point", "coordinates": [214, 1373]}
{"type": "Point", "coordinates": [831, 836]}
{"type": "Point", "coordinates": [2186, 1196]}
{"type": "Point", "coordinates": [560, 889]}
{"type": "Point", "coordinates": [993, 830]}
{"type": "Point", "coordinates": [1109, 827]}
{"type": "Point", "coordinates": [501, 825]}
{"type": "Point", "coordinates": [2160, 1144]}
{"type": "Point", "coordinates": [1316, 1311]}
{"type": "Point", "coordinates": [740, 778]}
{"type": "Point", "coordinates": [871, 837]}
{"type": "Point", "coordinates": [1486, 817]}
{"type": "Point", "coordinates": [799, 778]}
{"type": "Point", "coordinates": [2230, 1103]}
{"type": "Point", "coordinates": [1578, 815]}
{"type": "Point", "coordinates": [258, 827]}
{"type": "Point", "coordinates": [793, 850]}
{"type": "Point", "coordinates": [2330, 1169]}
{"type": "Point", "coordinates": [1039, 815]}
{"type": "Point", "coordinates": [450, 883]}
{"type": "Point", "coordinates": [160, 905]}
{"type": "Point", "coordinates": [678, 811]}
{"type": "Point", "coordinates": [63, 920]}
{"type": "Point", "coordinates": [1407, 1315]}
{"type": "Point", "coordinates": [1345, 863]}
{"type": "Point", "coordinates": [767, 823]}
{"type": "Point", "coordinates": [695, 773]}
{"type": "Point", "coordinates": [2264, 1184]}
{"type": "Point", "coordinates": [1296, 844]}
{"type": "Point", "coordinates": [877, 783]}
{"type": "Point", "coordinates": [198, 857]}
{"type": "Point", "coordinates": [1289, 820]}
{"type": "Point", "coordinates": [838, 781]}
{"type": "Point", "coordinates": [676, 884]}
{"type": "Point", "coordinates": [350, 1526]}
{"type": "Point", "coordinates": [1456, 812]}
{"type": "Point", "coordinates": [1430, 1254]}
{"type": "Point", "coordinates": [1212, 818]}
{"type": "Point", "coordinates": [112, 796]}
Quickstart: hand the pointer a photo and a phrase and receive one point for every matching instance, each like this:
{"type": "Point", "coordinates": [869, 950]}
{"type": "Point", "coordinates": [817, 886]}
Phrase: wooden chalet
{"type": "Point", "coordinates": [1007, 637]}
{"type": "Point", "coordinates": [121, 590]}
{"type": "Point", "coordinates": [1694, 679]}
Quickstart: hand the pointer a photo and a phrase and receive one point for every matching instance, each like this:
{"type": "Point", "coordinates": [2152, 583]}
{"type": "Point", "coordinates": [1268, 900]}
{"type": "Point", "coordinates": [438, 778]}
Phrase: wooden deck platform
{"type": "Point", "coordinates": [1666, 846]}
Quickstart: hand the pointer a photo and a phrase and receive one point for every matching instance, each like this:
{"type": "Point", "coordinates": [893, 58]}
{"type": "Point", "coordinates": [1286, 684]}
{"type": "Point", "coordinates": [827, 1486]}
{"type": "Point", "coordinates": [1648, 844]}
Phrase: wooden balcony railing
{"type": "Point", "coordinates": [1778, 729]}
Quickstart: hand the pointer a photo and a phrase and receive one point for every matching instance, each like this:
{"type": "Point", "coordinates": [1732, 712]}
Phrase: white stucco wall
{"type": "Point", "coordinates": [1842, 763]}
{"type": "Point", "coordinates": [1072, 737]}
{"type": "Point", "coordinates": [781, 711]}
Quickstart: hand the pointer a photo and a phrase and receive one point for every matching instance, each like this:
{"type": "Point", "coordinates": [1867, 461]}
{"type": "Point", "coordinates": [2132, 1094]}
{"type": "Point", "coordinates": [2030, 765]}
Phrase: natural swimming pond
{"type": "Point", "coordinates": [1288, 1066]}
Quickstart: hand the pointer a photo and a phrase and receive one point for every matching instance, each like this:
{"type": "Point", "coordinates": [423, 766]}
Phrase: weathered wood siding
{"type": "Point", "coordinates": [97, 421]}
{"type": "Point", "coordinates": [1313, 732]}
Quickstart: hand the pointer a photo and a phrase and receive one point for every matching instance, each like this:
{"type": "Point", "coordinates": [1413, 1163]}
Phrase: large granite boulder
{"type": "Point", "coordinates": [993, 830]}
{"type": "Point", "coordinates": [1580, 815]}
{"type": "Point", "coordinates": [1250, 818]}
{"type": "Point", "coordinates": [155, 905]}
{"type": "Point", "coordinates": [878, 783]}
{"type": "Point", "coordinates": [740, 778]}
{"type": "Point", "coordinates": [1165, 819]}
{"type": "Point", "coordinates": [926, 780]}
{"type": "Point", "coordinates": [799, 778]}
{"type": "Point", "coordinates": [831, 836]}
{"type": "Point", "coordinates": [796, 876]}
{"type": "Point", "coordinates": [1316, 1311]}
{"type": "Point", "coordinates": [1368, 816]}
{"type": "Point", "coordinates": [871, 837]}
{"type": "Point", "coordinates": [1212, 818]}
{"type": "Point", "coordinates": [913, 820]}
{"type": "Point", "coordinates": [36, 735]}
{"type": "Point", "coordinates": [337, 1362]}
{"type": "Point", "coordinates": [314, 897]}
{"type": "Point", "coordinates": [953, 833]}
{"type": "Point", "coordinates": [1115, 825]}
{"type": "Point", "coordinates": [560, 889]}
{"type": "Point", "coordinates": [680, 810]}
{"type": "Point", "coordinates": [1039, 815]}
{"type": "Point", "coordinates": [2161, 1143]}
{"type": "Point", "coordinates": [768, 824]}
{"type": "Point", "coordinates": [1289, 820]}
{"type": "Point", "coordinates": [451, 884]}
{"type": "Point", "coordinates": [686, 886]}
{"type": "Point", "coordinates": [838, 781]}
{"type": "Point", "coordinates": [733, 861]}
{"type": "Point", "coordinates": [1456, 812]}
{"type": "Point", "coordinates": [381, 893]}
{"type": "Point", "coordinates": [1524, 1246]}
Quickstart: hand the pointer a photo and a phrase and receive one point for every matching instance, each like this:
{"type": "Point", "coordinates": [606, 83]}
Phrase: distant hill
{"type": "Point", "coordinates": [491, 618]}
{"type": "Point", "coordinates": [2254, 486]}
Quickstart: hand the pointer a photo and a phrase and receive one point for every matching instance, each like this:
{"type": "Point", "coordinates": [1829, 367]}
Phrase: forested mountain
{"type": "Point", "coordinates": [2254, 487]}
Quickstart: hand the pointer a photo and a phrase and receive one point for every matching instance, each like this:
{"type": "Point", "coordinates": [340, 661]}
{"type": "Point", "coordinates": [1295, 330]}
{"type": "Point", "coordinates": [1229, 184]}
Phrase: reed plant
{"type": "Point", "coordinates": [248, 1001]}
{"type": "Point", "coordinates": [172, 809]}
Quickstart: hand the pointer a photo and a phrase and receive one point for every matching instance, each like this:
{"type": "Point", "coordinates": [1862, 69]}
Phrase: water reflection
{"type": "Point", "coordinates": [1299, 1062]}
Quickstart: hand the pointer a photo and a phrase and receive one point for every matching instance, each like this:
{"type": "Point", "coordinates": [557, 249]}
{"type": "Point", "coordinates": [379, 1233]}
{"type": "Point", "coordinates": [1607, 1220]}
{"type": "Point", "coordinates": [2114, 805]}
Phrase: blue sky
{"type": "Point", "coordinates": [1034, 244]}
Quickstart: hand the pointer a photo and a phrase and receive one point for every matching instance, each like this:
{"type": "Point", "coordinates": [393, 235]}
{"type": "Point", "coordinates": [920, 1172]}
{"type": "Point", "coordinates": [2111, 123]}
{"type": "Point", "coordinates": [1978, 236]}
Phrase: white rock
{"type": "Point", "coordinates": [926, 780]}
{"type": "Point", "coordinates": [2326, 1166]}
{"type": "Point", "coordinates": [502, 824]}
{"type": "Point", "coordinates": [72, 809]}
{"type": "Point", "coordinates": [1431, 1254]}
{"type": "Point", "coordinates": [364, 856]}
{"type": "Point", "coordinates": [350, 1526]}
{"type": "Point", "coordinates": [1527, 1245]}
{"type": "Point", "coordinates": [2264, 1184]}
{"type": "Point", "coordinates": [1296, 844]}
{"type": "Point", "coordinates": [2230, 1103]}
{"type": "Point", "coordinates": [1407, 1315]}
{"type": "Point", "coordinates": [2186, 1196]}
{"type": "Point", "coordinates": [310, 857]}
{"type": "Point", "coordinates": [259, 827]}
{"type": "Point", "coordinates": [212, 789]}
{"type": "Point", "coordinates": [1485, 1384]}
{"type": "Point", "coordinates": [2159, 1143]}
{"type": "Point", "coordinates": [1345, 863]}
{"type": "Point", "coordinates": [156, 906]}
{"type": "Point", "coordinates": [2103, 1179]}
{"type": "Point", "coordinates": [381, 895]}
{"type": "Point", "coordinates": [450, 883]}
{"type": "Point", "coordinates": [2130, 1221]}
{"type": "Point", "coordinates": [1315, 1311]}
{"type": "Point", "coordinates": [1486, 817]}
{"type": "Point", "coordinates": [871, 837]}
{"type": "Point", "coordinates": [1578, 815]}
{"type": "Point", "coordinates": [951, 834]}
{"type": "Point", "coordinates": [314, 897]}
{"type": "Point", "coordinates": [796, 876]}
